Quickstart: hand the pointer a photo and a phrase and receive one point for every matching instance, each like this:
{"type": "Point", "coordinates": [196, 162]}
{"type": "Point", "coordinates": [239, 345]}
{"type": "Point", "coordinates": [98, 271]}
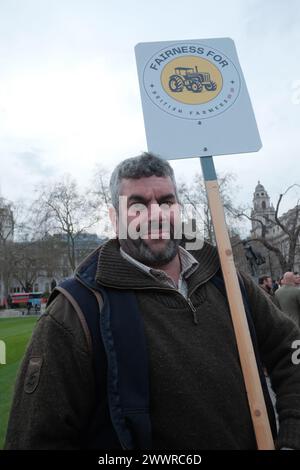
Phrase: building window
{"type": "Point", "coordinates": [263, 205]}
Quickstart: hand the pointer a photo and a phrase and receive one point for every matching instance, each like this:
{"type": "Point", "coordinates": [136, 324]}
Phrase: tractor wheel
{"type": "Point", "coordinates": [212, 86]}
{"type": "Point", "coordinates": [176, 84]}
{"type": "Point", "coordinates": [196, 87]}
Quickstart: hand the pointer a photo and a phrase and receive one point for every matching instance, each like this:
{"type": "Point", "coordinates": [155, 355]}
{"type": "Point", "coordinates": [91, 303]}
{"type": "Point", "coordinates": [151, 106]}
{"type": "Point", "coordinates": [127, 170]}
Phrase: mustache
{"type": "Point", "coordinates": [153, 227]}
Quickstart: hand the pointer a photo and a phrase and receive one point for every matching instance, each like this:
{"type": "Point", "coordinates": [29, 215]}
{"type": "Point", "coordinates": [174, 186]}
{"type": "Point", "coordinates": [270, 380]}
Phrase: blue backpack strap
{"type": "Point", "coordinates": [120, 355]}
{"type": "Point", "coordinates": [128, 372]}
{"type": "Point", "coordinates": [99, 433]}
{"type": "Point", "coordinates": [218, 281]}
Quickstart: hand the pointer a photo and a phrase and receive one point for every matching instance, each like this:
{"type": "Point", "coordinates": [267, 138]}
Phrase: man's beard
{"type": "Point", "coordinates": [142, 252]}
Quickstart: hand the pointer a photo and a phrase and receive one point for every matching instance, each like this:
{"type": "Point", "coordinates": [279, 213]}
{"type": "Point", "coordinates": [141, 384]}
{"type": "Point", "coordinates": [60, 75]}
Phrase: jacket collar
{"type": "Point", "coordinates": [114, 271]}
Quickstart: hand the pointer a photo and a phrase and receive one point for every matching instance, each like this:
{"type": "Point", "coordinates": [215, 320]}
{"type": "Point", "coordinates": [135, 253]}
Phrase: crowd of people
{"type": "Point", "coordinates": [284, 292]}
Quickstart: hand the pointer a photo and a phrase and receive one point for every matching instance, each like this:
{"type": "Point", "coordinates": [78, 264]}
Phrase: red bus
{"type": "Point", "coordinates": [21, 299]}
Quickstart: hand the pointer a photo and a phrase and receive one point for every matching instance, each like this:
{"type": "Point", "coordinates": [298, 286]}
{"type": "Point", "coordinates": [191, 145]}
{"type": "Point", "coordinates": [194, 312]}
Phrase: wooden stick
{"type": "Point", "coordinates": [255, 396]}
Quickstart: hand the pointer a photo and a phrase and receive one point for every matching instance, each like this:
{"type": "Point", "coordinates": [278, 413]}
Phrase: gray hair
{"type": "Point", "coordinates": [144, 165]}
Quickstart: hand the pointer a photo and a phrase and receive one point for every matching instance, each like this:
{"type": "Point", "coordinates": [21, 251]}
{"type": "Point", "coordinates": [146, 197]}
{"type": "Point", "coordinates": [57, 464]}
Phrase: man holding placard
{"type": "Point", "coordinates": [163, 370]}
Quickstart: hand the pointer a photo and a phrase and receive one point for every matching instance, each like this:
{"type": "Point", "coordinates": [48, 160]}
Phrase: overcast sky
{"type": "Point", "coordinates": [69, 95]}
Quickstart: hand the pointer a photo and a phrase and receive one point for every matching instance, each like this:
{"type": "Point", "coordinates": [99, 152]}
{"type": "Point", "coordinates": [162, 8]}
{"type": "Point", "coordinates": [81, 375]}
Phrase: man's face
{"type": "Point", "coordinates": [268, 283]}
{"type": "Point", "coordinates": [297, 280]}
{"type": "Point", "coordinates": [150, 214]}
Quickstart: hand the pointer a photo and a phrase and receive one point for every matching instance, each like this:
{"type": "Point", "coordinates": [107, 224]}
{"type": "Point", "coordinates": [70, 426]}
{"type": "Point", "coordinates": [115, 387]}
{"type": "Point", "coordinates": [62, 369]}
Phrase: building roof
{"type": "Point", "coordinates": [259, 187]}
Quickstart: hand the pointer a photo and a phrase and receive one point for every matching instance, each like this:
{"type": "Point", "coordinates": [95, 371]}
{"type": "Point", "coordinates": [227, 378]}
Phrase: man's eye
{"type": "Point", "coordinates": [167, 203]}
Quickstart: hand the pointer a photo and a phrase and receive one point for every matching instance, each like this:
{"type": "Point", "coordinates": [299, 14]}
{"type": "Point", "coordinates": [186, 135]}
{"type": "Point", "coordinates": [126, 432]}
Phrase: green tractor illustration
{"type": "Point", "coordinates": [191, 79]}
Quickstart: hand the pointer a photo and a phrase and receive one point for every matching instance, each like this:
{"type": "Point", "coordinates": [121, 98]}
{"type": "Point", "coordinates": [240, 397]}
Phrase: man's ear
{"type": "Point", "coordinates": [113, 218]}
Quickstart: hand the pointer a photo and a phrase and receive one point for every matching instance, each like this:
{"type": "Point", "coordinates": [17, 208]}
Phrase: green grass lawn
{"type": "Point", "coordinates": [15, 332]}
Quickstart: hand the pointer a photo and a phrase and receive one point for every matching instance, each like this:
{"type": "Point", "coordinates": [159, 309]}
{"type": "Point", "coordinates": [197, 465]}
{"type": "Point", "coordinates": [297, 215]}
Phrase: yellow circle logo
{"type": "Point", "coordinates": [191, 80]}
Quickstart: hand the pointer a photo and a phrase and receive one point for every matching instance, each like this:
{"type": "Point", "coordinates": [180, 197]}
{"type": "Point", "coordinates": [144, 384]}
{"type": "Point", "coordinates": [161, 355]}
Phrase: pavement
{"type": "Point", "coordinates": [19, 312]}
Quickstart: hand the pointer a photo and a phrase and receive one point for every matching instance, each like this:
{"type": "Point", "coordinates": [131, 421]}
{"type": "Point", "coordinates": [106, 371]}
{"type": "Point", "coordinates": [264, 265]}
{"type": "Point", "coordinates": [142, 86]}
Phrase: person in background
{"type": "Point", "coordinates": [275, 285]}
{"type": "Point", "coordinates": [29, 306]}
{"type": "Point", "coordinates": [288, 297]}
{"type": "Point", "coordinates": [9, 301]}
{"type": "Point", "coordinates": [266, 284]}
{"type": "Point", "coordinates": [297, 279]}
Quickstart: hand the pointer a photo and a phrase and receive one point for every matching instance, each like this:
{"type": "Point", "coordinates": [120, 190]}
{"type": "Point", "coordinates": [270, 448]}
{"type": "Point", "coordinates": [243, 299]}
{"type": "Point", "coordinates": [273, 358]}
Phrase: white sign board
{"type": "Point", "coordinates": [195, 100]}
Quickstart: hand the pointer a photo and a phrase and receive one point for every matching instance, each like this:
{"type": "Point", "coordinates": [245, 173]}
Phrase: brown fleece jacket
{"type": "Point", "coordinates": [197, 395]}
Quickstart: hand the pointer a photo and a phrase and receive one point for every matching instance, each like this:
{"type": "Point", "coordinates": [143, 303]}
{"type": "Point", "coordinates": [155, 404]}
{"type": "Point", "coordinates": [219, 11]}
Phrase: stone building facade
{"type": "Point", "coordinates": [264, 210]}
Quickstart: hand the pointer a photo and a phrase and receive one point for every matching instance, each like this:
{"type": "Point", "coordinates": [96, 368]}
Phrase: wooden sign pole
{"type": "Point", "coordinates": [255, 396]}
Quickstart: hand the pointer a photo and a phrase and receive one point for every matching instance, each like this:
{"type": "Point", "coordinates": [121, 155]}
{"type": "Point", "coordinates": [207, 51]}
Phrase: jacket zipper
{"type": "Point", "coordinates": [193, 308]}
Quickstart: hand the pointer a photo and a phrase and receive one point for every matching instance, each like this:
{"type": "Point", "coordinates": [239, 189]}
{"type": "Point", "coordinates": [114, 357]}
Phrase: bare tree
{"type": "Point", "coordinates": [100, 186]}
{"type": "Point", "coordinates": [25, 263]}
{"type": "Point", "coordinates": [101, 198]}
{"type": "Point", "coordinates": [62, 209]}
{"type": "Point", "coordinates": [289, 226]}
{"type": "Point", "coordinates": [195, 195]}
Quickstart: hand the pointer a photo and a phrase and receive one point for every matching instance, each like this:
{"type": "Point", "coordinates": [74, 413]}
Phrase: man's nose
{"type": "Point", "coordinates": [156, 214]}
